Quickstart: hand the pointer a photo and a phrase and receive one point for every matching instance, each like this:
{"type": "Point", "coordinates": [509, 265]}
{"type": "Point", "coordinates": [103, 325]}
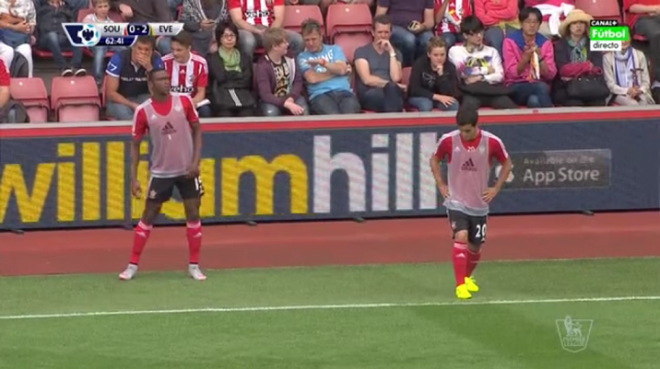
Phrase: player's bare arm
{"type": "Point", "coordinates": [135, 159]}
{"type": "Point", "coordinates": [491, 192]}
{"type": "Point", "coordinates": [437, 174]}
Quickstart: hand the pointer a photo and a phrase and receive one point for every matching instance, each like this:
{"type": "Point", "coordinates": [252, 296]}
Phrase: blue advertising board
{"type": "Point", "coordinates": [73, 179]}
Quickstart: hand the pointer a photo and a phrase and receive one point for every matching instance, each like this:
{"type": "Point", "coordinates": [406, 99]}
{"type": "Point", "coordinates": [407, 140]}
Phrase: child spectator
{"type": "Point", "coordinates": [100, 15]}
{"type": "Point", "coordinates": [51, 36]}
{"type": "Point", "coordinates": [188, 72]}
{"type": "Point", "coordinates": [433, 80]}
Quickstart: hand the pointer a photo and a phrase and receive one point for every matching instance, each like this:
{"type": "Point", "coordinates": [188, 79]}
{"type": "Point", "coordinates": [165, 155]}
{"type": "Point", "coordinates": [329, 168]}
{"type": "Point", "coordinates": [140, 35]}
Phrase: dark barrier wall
{"type": "Point", "coordinates": [68, 177]}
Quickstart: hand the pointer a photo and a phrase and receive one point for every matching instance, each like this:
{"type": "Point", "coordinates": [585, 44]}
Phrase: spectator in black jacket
{"type": "Point", "coordinates": [51, 36]}
{"type": "Point", "coordinates": [434, 80]}
{"type": "Point", "coordinates": [230, 76]}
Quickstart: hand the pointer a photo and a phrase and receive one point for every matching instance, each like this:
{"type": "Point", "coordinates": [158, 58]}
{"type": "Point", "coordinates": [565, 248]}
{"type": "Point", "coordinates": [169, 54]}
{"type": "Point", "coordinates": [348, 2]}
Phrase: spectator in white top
{"type": "Point", "coordinates": [480, 69]}
{"type": "Point", "coordinates": [18, 20]}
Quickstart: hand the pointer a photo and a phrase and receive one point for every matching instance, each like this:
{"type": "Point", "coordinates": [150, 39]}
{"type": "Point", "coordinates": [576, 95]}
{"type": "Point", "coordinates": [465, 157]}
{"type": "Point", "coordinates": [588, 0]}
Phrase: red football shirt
{"type": "Point", "coordinates": [187, 78]}
{"type": "Point", "coordinates": [256, 12]}
{"type": "Point", "coordinates": [631, 18]}
{"type": "Point", "coordinates": [496, 148]}
{"type": "Point", "coordinates": [4, 75]}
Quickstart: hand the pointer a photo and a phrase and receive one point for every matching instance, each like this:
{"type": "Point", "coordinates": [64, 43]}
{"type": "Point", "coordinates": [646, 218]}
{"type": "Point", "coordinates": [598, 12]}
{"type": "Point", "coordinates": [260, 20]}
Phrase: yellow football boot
{"type": "Point", "coordinates": [471, 284]}
{"type": "Point", "coordinates": [462, 292]}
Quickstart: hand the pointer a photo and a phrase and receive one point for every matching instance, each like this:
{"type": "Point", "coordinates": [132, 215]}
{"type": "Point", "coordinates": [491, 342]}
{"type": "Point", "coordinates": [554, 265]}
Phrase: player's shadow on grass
{"type": "Point", "coordinates": [514, 337]}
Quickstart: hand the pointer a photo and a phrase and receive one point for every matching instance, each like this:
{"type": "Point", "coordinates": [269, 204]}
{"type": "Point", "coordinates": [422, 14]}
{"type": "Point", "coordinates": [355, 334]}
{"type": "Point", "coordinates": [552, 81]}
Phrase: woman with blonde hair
{"type": "Point", "coordinates": [627, 76]}
{"type": "Point", "coordinates": [579, 80]}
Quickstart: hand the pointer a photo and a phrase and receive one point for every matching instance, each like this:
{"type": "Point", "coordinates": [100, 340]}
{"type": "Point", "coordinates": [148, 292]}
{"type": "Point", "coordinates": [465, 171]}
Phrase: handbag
{"type": "Point", "coordinates": [587, 87]}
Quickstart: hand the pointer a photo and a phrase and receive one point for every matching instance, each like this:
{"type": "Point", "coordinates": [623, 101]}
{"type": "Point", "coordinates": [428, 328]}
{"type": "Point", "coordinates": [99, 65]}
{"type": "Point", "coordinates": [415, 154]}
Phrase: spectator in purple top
{"type": "Point", "coordinates": [412, 26]}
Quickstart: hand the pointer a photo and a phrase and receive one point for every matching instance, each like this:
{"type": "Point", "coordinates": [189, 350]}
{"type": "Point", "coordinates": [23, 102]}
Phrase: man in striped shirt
{"type": "Point", "coordinates": [252, 17]}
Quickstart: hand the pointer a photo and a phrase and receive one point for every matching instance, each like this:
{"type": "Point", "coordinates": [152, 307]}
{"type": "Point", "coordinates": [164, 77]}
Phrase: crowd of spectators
{"type": "Point", "coordinates": [235, 58]}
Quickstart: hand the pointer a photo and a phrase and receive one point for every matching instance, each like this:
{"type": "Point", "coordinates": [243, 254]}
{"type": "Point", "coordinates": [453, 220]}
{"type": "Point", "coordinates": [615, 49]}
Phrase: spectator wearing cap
{"type": "Point", "coordinates": [412, 26]}
{"type": "Point", "coordinates": [252, 17]}
{"type": "Point", "coordinates": [279, 80]}
{"type": "Point", "coordinates": [18, 20]}
{"type": "Point", "coordinates": [529, 62]}
{"type": "Point", "coordinates": [378, 67]}
{"type": "Point", "coordinates": [201, 17]}
{"type": "Point", "coordinates": [574, 59]}
{"type": "Point", "coordinates": [326, 74]}
{"type": "Point", "coordinates": [126, 86]}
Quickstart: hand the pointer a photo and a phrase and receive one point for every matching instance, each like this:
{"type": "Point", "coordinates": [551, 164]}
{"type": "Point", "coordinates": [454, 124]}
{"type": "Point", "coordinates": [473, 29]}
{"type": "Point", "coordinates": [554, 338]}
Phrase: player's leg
{"type": "Point", "coordinates": [459, 223]}
{"type": "Point", "coordinates": [476, 238]}
{"type": "Point", "coordinates": [158, 191]}
{"type": "Point", "coordinates": [191, 191]}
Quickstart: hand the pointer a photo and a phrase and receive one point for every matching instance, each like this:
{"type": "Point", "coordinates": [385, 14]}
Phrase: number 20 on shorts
{"type": "Point", "coordinates": [481, 231]}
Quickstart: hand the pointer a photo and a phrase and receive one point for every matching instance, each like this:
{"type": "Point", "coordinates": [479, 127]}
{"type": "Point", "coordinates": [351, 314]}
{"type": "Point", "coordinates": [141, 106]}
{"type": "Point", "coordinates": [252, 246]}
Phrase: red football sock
{"type": "Point", "coordinates": [194, 234]}
{"type": "Point", "coordinates": [460, 258]}
{"type": "Point", "coordinates": [473, 261]}
{"type": "Point", "coordinates": [140, 237]}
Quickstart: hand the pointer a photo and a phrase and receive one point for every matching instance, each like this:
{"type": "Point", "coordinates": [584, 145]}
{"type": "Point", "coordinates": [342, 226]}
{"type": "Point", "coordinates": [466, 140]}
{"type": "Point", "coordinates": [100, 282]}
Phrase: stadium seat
{"type": "Point", "coordinates": [295, 15]}
{"type": "Point", "coordinates": [348, 18]}
{"type": "Point", "coordinates": [75, 99]}
{"type": "Point", "coordinates": [350, 42]}
{"type": "Point", "coordinates": [600, 9]}
{"type": "Point", "coordinates": [32, 93]}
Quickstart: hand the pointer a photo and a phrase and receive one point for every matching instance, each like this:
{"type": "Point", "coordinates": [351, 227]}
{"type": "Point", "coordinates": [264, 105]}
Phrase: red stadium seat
{"type": "Point", "coordinates": [32, 93]}
{"type": "Point", "coordinates": [350, 42]}
{"type": "Point", "coordinates": [75, 99]}
{"type": "Point", "coordinates": [295, 15]}
{"type": "Point", "coordinates": [600, 9]}
{"type": "Point", "coordinates": [348, 18]}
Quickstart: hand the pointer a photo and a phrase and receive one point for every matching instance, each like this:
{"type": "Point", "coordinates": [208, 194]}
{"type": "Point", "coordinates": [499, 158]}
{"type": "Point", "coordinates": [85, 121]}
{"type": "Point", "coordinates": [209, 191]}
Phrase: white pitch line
{"type": "Point", "coordinates": [324, 307]}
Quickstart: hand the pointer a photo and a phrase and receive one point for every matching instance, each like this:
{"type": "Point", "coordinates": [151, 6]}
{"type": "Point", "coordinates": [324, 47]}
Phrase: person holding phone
{"type": "Point", "coordinates": [412, 26]}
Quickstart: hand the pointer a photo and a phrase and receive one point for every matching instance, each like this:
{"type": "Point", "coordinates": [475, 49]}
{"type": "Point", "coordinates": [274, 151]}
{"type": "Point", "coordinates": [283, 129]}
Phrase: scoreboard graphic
{"type": "Point", "coordinates": [116, 34]}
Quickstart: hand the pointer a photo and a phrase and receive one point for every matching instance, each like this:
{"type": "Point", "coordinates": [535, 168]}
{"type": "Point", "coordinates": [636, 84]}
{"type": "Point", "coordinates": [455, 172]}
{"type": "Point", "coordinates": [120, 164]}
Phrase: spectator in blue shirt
{"type": "Point", "coordinates": [126, 86]}
{"type": "Point", "coordinates": [326, 74]}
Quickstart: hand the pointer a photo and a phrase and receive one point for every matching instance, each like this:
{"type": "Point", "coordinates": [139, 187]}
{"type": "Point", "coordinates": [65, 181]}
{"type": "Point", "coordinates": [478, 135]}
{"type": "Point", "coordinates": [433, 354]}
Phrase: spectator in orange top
{"type": "Point", "coordinates": [643, 18]}
{"type": "Point", "coordinates": [499, 17]}
{"type": "Point", "coordinates": [252, 17]}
